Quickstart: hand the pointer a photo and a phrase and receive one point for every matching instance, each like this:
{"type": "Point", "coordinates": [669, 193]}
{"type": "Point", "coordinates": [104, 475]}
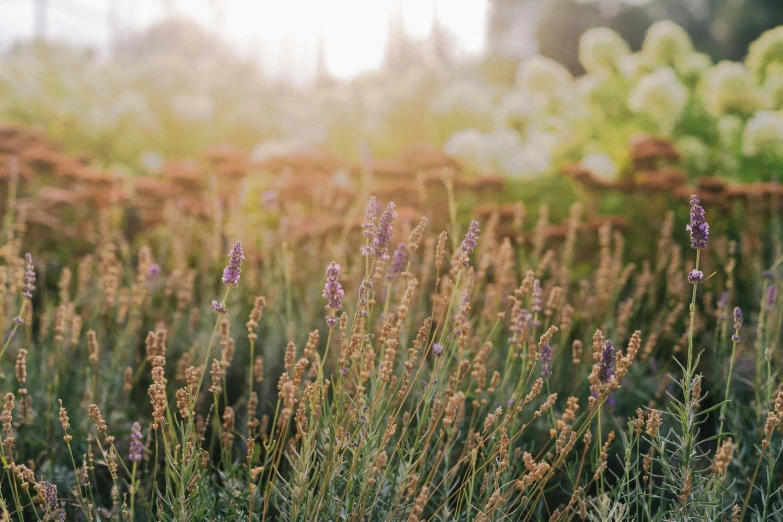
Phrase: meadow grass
{"type": "Point", "coordinates": [431, 375]}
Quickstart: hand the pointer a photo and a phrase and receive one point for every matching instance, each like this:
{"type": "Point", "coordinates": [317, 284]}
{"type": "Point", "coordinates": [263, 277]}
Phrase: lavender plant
{"type": "Point", "coordinates": [439, 391]}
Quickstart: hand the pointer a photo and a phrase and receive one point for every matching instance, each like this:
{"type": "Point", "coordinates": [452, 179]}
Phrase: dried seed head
{"type": "Point", "coordinates": [95, 415]}
{"type": "Point", "coordinates": [653, 423]}
{"type": "Point", "coordinates": [440, 250]}
{"type": "Point", "coordinates": [416, 234]}
{"type": "Point", "coordinates": [92, 346]}
{"type": "Point", "coordinates": [258, 369]}
{"type": "Point", "coordinates": [64, 422]}
{"type": "Point", "coordinates": [255, 316]}
{"type": "Point", "coordinates": [723, 457]}
{"type": "Point", "coordinates": [216, 373]}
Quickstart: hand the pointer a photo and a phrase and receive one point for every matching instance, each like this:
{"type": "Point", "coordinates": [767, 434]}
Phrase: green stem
{"type": "Point", "coordinates": [13, 330]}
{"type": "Point", "coordinates": [133, 491]}
{"type": "Point", "coordinates": [728, 385]}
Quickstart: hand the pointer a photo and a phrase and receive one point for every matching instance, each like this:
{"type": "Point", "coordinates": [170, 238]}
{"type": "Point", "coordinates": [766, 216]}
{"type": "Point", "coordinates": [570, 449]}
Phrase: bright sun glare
{"type": "Point", "coordinates": [284, 34]}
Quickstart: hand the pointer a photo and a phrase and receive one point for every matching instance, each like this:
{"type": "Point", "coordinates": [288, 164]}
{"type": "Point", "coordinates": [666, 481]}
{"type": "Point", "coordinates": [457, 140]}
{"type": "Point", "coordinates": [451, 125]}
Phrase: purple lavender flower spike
{"type": "Point", "coordinates": [695, 276]}
{"type": "Point", "coordinates": [368, 227]}
{"type": "Point", "coordinates": [398, 261]}
{"type": "Point", "coordinates": [772, 295]}
{"type": "Point", "coordinates": [232, 271]}
{"type": "Point", "coordinates": [546, 360]}
{"type": "Point", "coordinates": [518, 324]}
{"type": "Point", "coordinates": [471, 238]}
{"type": "Point", "coordinates": [737, 324]}
{"type": "Point", "coordinates": [29, 277]}
{"type": "Point", "coordinates": [606, 373]}
{"type": "Point", "coordinates": [136, 446]}
{"type": "Point", "coordinates": [536, 300]}
{"type": "Point", "coordinates": [379, 245]}
{"type": "Point", "coordinates": [218, 307]}
{"type": "Point", "coordinates": [333, 292]}
{"type": "Point", "coordinates": [18, 320]}
{"type": "Point", "coordinates": [698, 227]}
{"type": "Point", "coordinates": [437, 349]}
{"type": "Point", "coordinates": [50, 498]}
{"type": "Point", "coordinates": [153, 271]}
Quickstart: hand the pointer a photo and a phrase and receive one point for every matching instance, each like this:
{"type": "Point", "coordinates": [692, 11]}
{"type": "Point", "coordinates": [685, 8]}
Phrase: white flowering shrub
{"type": "Point", "coordinates": [729, 87]}
{"type": "Point", "coordinates": [472, 148]}
{"type": "Point", "coordinates": [765, 51]}
{"type": "Point", "coordinates": [660, 97]}
{"type": "Point", "coordinates": [664, 43]}
{"type": "Point", "coordinates": [176, 102]}
{"type": "Point", "coordinates": [542, 75]}
{"type": "Point", "coordinates": [763, 134]}
{"type": "Point", "coordinates": [517, 111]}
{"type": "Point", "coordinates": [601, 49]}
{"type": "Point", "coordinates": [695, 154]}
{"type": "Point", "coordinates": [721, 118]}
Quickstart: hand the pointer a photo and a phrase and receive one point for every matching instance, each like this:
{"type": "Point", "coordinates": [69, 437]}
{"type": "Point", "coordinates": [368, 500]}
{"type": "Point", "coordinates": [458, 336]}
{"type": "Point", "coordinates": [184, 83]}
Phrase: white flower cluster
{"type": "Point", "coordinates": [543, 76]}
{"type": "Point", "coordinates": [659, 96]}
{"type": "Point", "coordinates": [713, 114]}
{"type": "Point", "coordinates": [763, 134]}
{"type": "Point", "coordinates": [602, 50]}
{"type": "Point", "coordinates": [729, 88]}
{"type": "Point", "coordinates": [665, 43]}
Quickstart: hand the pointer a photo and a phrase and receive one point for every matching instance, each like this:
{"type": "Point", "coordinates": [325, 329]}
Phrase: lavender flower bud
{"type": "Point", "coordinates": [29, 277]}
{"type": "Point", "coordinates": [437, 349]}
{"type": "Point", "coordinates": [136, 446]}
{"type": "Point", "coordinates": [471, 238]}
{"type": "Point", "coordinates": [218, 307]}
{"type": "Point", "coordinates": [695, 276]}
{"type": "Point", "coordinates": [398, 261]}
{"type": "Point", "coordinates": [18, 320]}
{"type": "Point", "coordinates": [545, 354]}
{"type": "Point", "coordinates": [698, 227]}
{"type": "Point", "coordinates": [737, 324]}
{"type": "Point", "coordinates": [232, 271]}
{"type": "Point", "coordinates": [536, 300]}
{"type": "Point", "coordinates": [368, 227]}
{"type": "Point", "coordinates": [519, 322]}
{"type": "Point", "coordinates": [772, 295]}
{"type": "Point", "coordinates": [50, 498]}
{"type": "Point", "coordinates": [379, 245]}
{"type": "Point", "coordinates": [606, 373]}
{"type": "Point", "coordinates": [153, 271]}
{"type": "Point", "coordinates": [333, 292]}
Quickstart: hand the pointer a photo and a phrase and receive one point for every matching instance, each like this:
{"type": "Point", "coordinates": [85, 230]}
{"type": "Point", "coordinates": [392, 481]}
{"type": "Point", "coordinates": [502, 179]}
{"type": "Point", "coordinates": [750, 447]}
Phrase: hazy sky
{"type": "Point", "coordinates": [354, 31]}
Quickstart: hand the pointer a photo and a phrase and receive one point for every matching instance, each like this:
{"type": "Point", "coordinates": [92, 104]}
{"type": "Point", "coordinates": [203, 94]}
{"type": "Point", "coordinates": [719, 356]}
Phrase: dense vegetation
{"type": "Point", "coordinates": [201, 332]}
{"type": "Point", "coordinates": [492, 372]}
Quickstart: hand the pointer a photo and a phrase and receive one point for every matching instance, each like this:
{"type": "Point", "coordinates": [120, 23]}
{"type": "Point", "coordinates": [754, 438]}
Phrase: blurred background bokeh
{"type": "Point", "coordinates": [136, 82]}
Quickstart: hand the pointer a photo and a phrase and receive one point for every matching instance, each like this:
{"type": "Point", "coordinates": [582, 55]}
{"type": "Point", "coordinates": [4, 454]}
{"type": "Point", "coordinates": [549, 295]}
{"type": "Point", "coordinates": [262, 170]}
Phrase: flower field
{"type": "Point", "coordinates": [566, 308]}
